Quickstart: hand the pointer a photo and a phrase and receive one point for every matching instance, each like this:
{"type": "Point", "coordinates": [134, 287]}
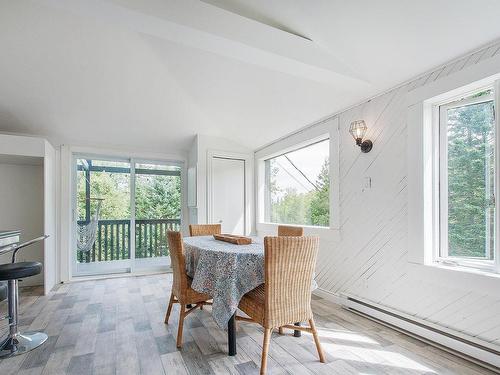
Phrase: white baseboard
{"type": "Point", "coordinates": [468, 347]}
{"type": "Point", "coordinates": [329, 296]}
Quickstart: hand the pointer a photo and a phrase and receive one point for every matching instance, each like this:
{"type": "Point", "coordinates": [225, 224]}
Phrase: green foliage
{"type": "Point", "coordinates": [157, 197]}
{"type": "Point", "coordinates": [470, 172]}
{"type": "Point", "coordinates": [113, 187]}
{"type": "Point", "coordinates": [292, 208]}
{"type": "Point", "coordinates": [319, 209]}
{"type": "Point", "coordinates": [311, 208]}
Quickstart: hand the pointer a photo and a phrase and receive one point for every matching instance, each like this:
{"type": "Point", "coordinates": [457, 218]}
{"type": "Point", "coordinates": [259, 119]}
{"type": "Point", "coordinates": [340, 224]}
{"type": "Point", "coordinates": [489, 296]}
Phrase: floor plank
{"type": "Point", "coordinates": [173, 363]}
{"type": "Point", "coordinates": [115, 326]}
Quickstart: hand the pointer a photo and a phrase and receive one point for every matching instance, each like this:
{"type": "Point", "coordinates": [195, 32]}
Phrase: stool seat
{"type": "Point", "coordinates": [14, 271]}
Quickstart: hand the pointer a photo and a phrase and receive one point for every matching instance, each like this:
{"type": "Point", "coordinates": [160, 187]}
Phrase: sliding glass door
{"type": "Point", "coordinates": [157, 209]}
{"type": "Point", "coordinates": [123, 208]}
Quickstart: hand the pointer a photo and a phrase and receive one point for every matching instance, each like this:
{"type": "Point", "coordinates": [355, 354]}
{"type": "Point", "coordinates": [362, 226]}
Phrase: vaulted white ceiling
{"type": "Point", "coordinates": [151, 74]}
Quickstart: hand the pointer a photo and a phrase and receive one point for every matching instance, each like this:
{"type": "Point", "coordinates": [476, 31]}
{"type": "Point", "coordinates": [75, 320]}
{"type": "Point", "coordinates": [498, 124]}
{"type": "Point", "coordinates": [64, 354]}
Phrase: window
{"type": "Point", "coordinates": [467, 181]}
{"type": "Point", "coordinates": [298, 186]}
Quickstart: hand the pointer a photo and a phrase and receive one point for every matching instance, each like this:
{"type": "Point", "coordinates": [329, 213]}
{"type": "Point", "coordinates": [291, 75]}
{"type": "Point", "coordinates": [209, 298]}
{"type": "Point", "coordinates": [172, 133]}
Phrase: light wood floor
{"type": "Point", "coordinates": [115, 326]}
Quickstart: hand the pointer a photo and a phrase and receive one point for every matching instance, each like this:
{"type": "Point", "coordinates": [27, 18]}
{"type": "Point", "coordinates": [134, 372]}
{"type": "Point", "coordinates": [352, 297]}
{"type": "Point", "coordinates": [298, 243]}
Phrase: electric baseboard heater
{"type": "Point", "coordinates": [472, 349]}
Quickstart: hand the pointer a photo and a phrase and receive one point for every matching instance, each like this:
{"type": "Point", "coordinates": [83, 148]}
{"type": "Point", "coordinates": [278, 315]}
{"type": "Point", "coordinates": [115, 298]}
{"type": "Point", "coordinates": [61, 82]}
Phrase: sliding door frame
{"type": "Point", "coordinates": [133, 264]}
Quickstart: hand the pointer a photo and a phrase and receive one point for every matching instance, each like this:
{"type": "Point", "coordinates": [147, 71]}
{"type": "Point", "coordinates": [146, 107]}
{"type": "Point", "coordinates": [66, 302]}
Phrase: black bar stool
{"type": "Point", "coordinates": [17, 342]}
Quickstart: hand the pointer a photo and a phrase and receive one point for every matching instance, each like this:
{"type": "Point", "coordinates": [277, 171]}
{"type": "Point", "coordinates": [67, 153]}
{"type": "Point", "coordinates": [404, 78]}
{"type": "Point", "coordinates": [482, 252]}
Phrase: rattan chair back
{"type": "Point", "coordinates": [204, 229]}
{"type": "Point", "coordinates": [289, 269]}
{"type": "Point", "coordinates": [287, 230]}
{"type": "Point", "coordinates": [178, 263]}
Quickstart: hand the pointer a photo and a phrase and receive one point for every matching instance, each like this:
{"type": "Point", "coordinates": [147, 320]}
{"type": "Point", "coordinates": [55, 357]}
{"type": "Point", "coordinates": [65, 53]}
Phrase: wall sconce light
{"type": "Point", "coordinates": [358, 129]}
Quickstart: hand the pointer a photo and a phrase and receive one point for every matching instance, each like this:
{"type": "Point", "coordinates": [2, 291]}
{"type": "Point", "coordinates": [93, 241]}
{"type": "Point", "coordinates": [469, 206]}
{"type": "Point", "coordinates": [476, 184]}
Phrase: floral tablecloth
{"type": "Point", "coordinates": [224, 271]}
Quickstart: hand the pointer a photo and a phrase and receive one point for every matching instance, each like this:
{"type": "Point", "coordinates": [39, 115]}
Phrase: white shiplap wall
{"type": "Point", "coordinates": [367, 257]}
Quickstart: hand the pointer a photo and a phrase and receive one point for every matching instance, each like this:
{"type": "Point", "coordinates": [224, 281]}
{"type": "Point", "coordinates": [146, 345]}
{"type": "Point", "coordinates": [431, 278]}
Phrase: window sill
{"type": "Point", "coordinates": [468, 269]}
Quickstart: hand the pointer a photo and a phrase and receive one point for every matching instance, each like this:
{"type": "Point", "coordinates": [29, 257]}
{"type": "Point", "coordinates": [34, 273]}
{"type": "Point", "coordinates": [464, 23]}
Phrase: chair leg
{"type": "Point", "coordinates": [169, 309]}
{"type": "Point", "coordinates": [280, 330]}
{"type": "Point", "coordinates": [316, 341]}
{"type": "Point", "coordinates": [181, 325]}
{"type": "Point", "coordinates": [265, 350]}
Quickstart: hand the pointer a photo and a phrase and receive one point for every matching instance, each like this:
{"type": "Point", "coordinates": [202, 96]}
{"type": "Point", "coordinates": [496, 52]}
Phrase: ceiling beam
{"type": "Point", "coordinates": [203, 26]}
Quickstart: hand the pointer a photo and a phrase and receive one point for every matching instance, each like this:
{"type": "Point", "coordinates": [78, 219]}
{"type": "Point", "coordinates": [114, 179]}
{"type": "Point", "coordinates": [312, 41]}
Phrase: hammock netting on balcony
{"type": "Point", "coordinates": [87, 233]}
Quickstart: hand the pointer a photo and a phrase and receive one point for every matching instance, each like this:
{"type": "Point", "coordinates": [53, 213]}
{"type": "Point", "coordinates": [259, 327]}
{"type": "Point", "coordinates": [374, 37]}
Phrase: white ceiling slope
{"type": "Point", "coordinates": [151, 74]}
{"type": "Point", "coordinates": [202, 26]}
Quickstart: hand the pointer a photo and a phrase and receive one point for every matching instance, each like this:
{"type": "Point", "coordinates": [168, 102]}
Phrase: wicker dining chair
{"type": "Point", "coordinates": [182, 292]}
{"type": "Point", "coordinates": [285, 297]}
{"type": "Point", "coordinates": [289, 231]}
{"type": "Point", "coordinates": [204, 229]}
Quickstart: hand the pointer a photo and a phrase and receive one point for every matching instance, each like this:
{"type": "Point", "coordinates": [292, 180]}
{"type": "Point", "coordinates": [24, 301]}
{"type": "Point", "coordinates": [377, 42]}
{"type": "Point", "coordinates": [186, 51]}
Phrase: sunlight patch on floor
{"type": "Point", "coordinates": [345, 336]}
{"type": "Point", "coordinates": [374, 356]}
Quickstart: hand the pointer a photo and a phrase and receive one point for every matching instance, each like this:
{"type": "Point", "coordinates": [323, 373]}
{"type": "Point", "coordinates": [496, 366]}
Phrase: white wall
{"type": "Point", "coordinates": [25, 147]}
{"type": "Point", "coordinates": [21, 207]}
{"type": "Point", "coordinates": [368, 256]}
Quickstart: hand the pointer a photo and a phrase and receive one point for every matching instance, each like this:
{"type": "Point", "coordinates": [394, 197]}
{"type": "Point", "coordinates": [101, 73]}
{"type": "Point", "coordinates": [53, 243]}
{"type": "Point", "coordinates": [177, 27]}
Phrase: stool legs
{"type": "Point", "coordinates": [18, 343]}
{"type": "Point", "coordinates": [13, 295]}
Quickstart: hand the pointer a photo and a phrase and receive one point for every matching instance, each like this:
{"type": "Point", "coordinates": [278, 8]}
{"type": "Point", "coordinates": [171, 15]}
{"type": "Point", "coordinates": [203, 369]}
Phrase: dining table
{"type": "Point", "coordinates": [225, 271]}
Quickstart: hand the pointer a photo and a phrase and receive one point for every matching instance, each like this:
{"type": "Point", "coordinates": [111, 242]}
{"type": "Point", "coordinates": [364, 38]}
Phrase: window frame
{"type": "Point", "coordinates": [326, 128]}
{"type": "Point", "coordinates": [440, 196]}
{"type": "Point", "coordinates": [267, 195]}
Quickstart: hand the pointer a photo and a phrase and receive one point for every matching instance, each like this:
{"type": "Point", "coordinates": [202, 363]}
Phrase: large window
{"type": "Point", "coordinates": [467, 181]}
{"type": "Point", "coordinates": [298, 186]}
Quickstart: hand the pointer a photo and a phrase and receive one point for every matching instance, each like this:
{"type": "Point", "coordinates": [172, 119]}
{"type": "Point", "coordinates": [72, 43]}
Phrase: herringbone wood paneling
{"type": "Point", "coordinates": [367, 257]}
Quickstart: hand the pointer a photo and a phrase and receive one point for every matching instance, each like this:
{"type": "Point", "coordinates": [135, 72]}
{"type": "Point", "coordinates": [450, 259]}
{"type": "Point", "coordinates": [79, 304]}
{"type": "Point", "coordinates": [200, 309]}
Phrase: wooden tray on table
{"type": "Point", "coordinates": [231, 238]}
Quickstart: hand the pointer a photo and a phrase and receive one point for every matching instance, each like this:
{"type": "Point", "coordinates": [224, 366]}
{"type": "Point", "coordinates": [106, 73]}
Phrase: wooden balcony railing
{"type": "Point", "coordinates": [113, 239]}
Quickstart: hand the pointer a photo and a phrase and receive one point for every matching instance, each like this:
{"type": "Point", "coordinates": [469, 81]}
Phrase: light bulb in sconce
{"type": "Point", "coordinates": [358, 129]}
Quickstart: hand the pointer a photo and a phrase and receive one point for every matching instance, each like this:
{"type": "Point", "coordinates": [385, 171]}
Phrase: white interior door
{"type": "Point", "coordinates": [228, 194]}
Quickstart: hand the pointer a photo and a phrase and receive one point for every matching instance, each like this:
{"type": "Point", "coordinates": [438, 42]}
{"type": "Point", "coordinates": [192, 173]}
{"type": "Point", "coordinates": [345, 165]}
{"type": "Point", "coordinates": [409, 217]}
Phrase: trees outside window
{"type": "Point", "coordinates": [156, 196]}
{"type": "Point", "coordinates": [153, 189]}
{"type": "Point", "coordinates": [298, 187]}
{"type": "Point", "coordinates": [468, 167]}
